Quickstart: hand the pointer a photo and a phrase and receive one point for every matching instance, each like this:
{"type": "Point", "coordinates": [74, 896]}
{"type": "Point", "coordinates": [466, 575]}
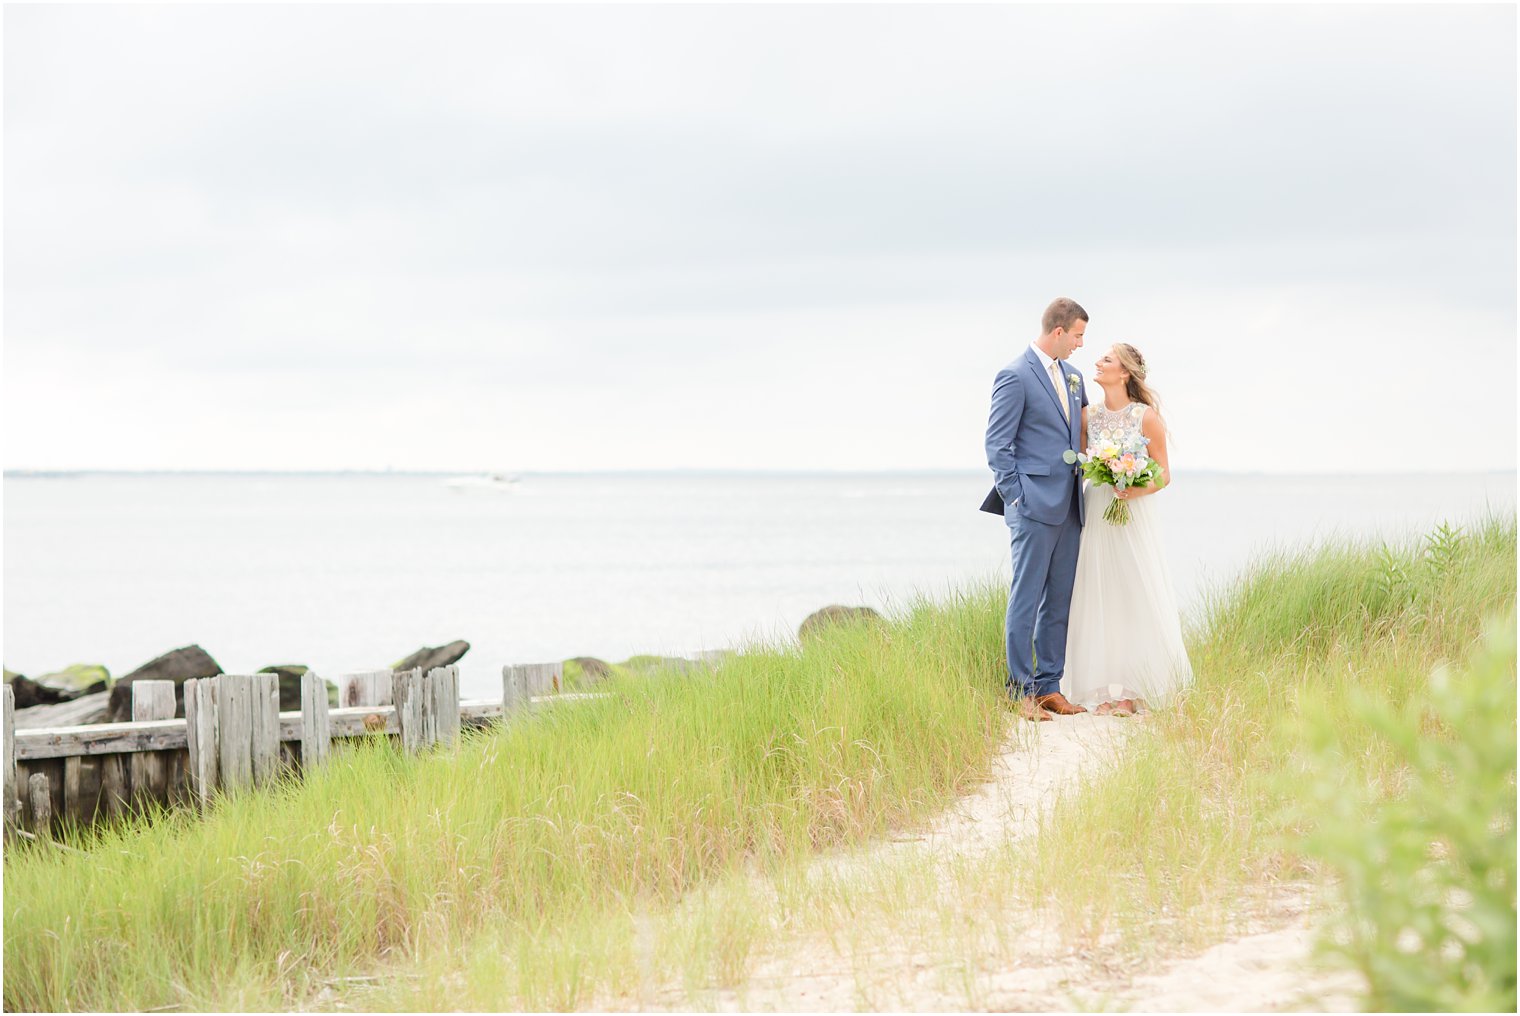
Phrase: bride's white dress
{"type": "Point", "coordinates": [1124, 639]}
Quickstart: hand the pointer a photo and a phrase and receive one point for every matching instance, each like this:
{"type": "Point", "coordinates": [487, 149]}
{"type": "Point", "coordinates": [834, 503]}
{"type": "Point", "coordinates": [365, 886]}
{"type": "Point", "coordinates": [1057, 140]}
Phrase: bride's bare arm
{"type": "Point", "coordinates": [1153, 429]}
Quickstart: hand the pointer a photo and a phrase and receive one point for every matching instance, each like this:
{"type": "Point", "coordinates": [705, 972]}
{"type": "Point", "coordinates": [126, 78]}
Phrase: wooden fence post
{"type": "Point", "coordinates": [316, 731]}
{"type": "Point", "coordinates": [41, 797]}
{"type": "Point", "coordinates": [151, 700]}
{"type": "Point", "coordinates": [113, 786]}
{"type": "Point", "coordinates": [522, 681]}
{"type": "Point", "coordinates": [408, 698]}
{"type": "Point", "coordinates": [234, 729]}
{"type": "Point", "coordinates": [201, 739]}
{"type": "Point", "coordinates": [73, 793]}
{"type": "Point", "coordinates": [264, 726]}
{"type": "Point", "coordinates": [371, 688]}
{"type": "Point", "coordinates": [444, 704]}
{"type": "Point", "coordinates": [12, 802]}
{"type": "Point", "coordinates": [511, 690]}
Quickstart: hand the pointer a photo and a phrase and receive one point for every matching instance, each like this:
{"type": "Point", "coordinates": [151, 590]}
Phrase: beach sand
{"type": "Point", "coordinates": [876, 966]}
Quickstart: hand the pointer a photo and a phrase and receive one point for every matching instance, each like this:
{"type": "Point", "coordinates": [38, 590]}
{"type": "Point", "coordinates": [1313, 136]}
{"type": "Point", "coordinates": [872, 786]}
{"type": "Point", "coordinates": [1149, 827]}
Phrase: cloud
{"type": "Point", "coordinates": [661, 215]}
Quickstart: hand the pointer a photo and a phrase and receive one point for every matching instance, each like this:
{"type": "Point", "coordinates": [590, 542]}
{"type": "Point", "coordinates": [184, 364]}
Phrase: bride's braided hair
{"type": "Point", "coordinates": [1134, 364]}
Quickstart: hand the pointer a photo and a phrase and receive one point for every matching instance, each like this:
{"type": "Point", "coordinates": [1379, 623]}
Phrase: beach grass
{"type": "Point", "coordinates": [1323, 680]}
{"type": "Point", "coordinates": [550, 824]}
{"type": "Point", "coordinates": [669, 834]}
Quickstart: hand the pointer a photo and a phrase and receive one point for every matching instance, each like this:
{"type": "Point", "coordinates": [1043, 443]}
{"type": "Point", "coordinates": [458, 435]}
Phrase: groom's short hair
{"type": "Point", "coordinates": [1063, 313]}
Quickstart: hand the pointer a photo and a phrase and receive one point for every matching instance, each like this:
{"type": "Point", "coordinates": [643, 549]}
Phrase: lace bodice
{"type": "Point", "coordinates": [1122, 425]}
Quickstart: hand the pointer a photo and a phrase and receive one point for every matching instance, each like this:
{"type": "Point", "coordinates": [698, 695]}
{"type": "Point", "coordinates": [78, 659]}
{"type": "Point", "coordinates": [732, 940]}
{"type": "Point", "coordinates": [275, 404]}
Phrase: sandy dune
{"type": "Point", "coordinates": [1028, 967]}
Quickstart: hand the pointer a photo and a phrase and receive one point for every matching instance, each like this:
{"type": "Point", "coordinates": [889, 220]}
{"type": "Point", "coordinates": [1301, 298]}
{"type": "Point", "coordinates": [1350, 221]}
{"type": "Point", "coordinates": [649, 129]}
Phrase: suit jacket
{"type": "Point", "coordinates": [1027, 436]}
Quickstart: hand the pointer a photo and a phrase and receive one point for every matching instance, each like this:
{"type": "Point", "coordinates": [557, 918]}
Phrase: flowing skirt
{"type": "Point", "coordinates": [1124, 639]}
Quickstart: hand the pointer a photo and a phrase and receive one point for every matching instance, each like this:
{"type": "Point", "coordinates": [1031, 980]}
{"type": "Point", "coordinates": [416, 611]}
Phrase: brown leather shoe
{"type": "Point", "coordinates": [1056, 703]}
{"type": "Point", "coordinates": [1026, 708]}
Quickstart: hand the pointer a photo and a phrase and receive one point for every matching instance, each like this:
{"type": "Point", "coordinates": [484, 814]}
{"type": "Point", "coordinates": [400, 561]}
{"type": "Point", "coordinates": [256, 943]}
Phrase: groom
{"type": "Point", "coordinates": [1036, 417]}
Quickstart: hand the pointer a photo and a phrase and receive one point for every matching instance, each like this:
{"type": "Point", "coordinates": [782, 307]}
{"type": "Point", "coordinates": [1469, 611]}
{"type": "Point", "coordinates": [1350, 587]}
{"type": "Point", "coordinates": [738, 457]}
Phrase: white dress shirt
{"type": "Point", "coordinates": [1060, 378]}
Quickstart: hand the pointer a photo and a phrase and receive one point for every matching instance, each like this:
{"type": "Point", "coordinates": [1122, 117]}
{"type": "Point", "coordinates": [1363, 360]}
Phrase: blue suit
{"type": "Point", "coordinates": [1027, 435]}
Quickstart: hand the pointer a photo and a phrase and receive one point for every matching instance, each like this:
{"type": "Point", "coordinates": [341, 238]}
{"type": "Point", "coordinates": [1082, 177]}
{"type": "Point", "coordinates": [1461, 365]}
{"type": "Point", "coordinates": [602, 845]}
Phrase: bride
{"type": "Point", "coordinates": [1124, 644]}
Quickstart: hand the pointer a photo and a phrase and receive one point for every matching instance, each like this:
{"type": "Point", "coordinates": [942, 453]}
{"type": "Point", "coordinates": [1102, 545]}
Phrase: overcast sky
{"type": "Point", "coordinates": [541, 238]}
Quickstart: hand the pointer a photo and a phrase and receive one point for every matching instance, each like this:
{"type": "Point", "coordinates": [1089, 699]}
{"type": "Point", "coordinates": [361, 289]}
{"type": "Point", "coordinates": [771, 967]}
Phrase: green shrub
{"type": "Point", "coordinates": [1429, 873]}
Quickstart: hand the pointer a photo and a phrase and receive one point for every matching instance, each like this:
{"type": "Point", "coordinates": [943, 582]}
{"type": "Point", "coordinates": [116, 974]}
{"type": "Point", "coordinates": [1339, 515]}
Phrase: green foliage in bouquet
{"type": "Point", "coordinates": [1119, 467]}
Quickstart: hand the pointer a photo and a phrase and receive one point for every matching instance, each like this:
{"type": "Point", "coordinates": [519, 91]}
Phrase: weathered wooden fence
{"type": "Point", "coordinates": [233, 736]}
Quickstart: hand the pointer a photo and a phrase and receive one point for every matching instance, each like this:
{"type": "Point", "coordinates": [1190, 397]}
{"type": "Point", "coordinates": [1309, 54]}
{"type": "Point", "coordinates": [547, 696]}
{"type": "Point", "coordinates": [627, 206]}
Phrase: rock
{"type": "Point", "coordinates": [832, 615]}
{"type": "Point", "coordinates": [290, 686]}
{"type": "Point", "coordinates": [426, 659]}
{"type": "Point", "coordinates": [179, 666]}
{"type": "Point", "coordinates": [85, 709]}
{"type": "Point", "coordinates": [72, 682]}
{"type": "Point", "coordinates": [28, 695]}
{"type": "Point", "coordinates": [586, 670]}
{"type": "Point", "coordinates": [60, 686]}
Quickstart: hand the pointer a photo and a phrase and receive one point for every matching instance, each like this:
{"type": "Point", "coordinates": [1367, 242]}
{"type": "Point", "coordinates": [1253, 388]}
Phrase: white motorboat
{"type": "Point", "coordinates": [485, 481]}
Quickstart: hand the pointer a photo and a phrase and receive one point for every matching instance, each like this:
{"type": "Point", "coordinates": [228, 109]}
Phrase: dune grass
{"type": "Point", "coordinates": [553, 822]}
{"type": "Point", "coordinates": [1238, 789]}
{"type": "Point", "coordinates": [597, 854]}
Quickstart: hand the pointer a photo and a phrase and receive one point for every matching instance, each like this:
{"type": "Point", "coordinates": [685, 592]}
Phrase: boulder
{"type": "Point", "coordinates": [290, 686]}
{"type": "Point", "coordinates": [592, 668]}
{"type": "Point", "coordinates": [584, 671]}
{"type": "Point", "coordinates": [72, 682]}
{"type": "Point", "coordinates": [833, 615]}
{"type": "Point", "coordinates": [426, 659]}
{"type": "Point", "coordinates": [179, 666]}
{"type": "Point", "coordinates": [26, 691]}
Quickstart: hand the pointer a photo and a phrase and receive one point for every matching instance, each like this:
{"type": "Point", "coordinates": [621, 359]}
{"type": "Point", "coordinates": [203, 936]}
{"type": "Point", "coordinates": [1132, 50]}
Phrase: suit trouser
{"type": "Point", "coordinates": [1039, 600]}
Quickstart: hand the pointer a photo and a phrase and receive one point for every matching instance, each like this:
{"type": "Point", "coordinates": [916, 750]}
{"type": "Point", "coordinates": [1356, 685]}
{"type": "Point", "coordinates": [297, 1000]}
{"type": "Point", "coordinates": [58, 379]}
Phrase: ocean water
{"type": "Point", "coordinates": [348, 572]}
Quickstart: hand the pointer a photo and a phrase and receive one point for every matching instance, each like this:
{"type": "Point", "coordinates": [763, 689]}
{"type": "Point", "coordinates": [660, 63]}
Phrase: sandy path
{"type": "Point", "coordinates": [1025, 965]}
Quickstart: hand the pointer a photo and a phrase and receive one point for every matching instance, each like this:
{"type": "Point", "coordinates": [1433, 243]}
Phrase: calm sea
{"type": "Point", "coordinates": [353, 571]}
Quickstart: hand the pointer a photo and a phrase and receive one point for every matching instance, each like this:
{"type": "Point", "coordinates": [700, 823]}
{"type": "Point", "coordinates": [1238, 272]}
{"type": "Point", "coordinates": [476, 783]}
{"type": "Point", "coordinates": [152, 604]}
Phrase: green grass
{"type": "Point", "coordinates": [597, 855]}
{"type": "Point", "coordinates": [553, 823]}
{"type": "Point", "coordinates": [1213, 802]}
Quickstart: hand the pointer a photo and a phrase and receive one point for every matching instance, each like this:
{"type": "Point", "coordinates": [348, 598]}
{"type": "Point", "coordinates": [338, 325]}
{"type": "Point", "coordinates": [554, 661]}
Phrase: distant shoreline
{"type": "Point", "coordinates": [56, 474]}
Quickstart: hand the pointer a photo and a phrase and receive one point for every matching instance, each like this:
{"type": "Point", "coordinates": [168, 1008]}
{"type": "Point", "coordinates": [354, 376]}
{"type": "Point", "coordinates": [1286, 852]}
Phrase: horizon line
{"type": "Point", "coordinates": [21, 473]}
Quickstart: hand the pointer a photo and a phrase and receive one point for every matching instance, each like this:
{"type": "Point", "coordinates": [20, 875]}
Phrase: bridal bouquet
{"type": "Point", "coordinates": [1120, 465]}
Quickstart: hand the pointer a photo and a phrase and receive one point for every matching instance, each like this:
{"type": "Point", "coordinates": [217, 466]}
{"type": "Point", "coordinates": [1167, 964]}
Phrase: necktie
{"type": "Point", "coordinates": [1055, 379]}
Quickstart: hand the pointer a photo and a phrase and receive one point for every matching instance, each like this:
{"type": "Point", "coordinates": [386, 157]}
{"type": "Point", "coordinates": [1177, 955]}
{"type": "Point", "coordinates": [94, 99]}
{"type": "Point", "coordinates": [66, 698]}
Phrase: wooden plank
{"type": "Point", "coordinates": [428, 686]}
{"type": "Point", "coordinates": [530, 680]}
{"type": "Point", "coordinates": [113, 786]}
{"type": "Point", "coordinates": [74, 713]}
{"type": "Point", "coordinates": [264, 726]}
{"type": "Point", "coordinates": [200, 742]}
{"type": "Point", "coordinates": [151, 700]}
{"type": "Point", "coordinates": [370, 688]}
{"type": "Point", "coordinates": [12, 802]}
{"type": "Point", "coordinates": [101, 739]}
{"type": "Point", "coordinates": [445, 704]}
{"type": "Point", "coordinates": [511, 689]}
{"type": "Point", "coordinates": [73, 789]}
{"type": "Point", "coordinates": [234, 721]}
{"type": "Point", "coordinates": [41, 798]}
{"type": "Point", "coordinates": [316, 731]}
{"type": "Point", "coordinates": [167, 735]}
{"type": "Point", "coordinates": [407, 694]}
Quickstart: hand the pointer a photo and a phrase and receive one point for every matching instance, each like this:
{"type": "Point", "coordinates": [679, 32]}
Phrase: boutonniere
{"type": "Point", "coordinates": [1074, 383]}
